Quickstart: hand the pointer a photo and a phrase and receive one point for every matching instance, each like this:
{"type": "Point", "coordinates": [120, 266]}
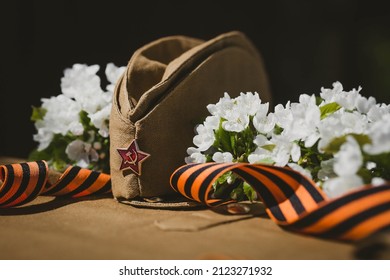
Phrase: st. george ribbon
{"type": "Point", "coordinates": [293, 201]}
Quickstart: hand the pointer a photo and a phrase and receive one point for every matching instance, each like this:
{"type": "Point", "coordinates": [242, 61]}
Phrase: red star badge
{"type": "Point", "coordinates": [132, 157]}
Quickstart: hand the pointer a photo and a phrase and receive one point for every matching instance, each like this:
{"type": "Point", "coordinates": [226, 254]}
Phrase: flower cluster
{"type": "Point", "coordinates": [72, 128]}
{"type": "Point", "coordinates": [338, 138]}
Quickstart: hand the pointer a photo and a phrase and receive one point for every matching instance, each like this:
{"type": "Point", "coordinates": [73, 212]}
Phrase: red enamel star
{"type": "Point", "coordinates": [132, 157]}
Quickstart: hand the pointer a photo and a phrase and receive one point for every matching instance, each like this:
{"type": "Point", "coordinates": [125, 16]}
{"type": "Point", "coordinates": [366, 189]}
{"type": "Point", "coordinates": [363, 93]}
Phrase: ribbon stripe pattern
{"type": "Point", "coordinates": [23, 182]}
{"type": "Point", "coordinates": [294, 202]}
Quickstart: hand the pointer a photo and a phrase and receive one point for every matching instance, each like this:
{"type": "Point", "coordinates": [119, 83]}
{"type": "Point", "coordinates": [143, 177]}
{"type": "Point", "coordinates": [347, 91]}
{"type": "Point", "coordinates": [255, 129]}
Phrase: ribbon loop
{"type": "Point", "coordinates": [23, 182]}
{"type": "Point", "coordinates": [293, 201]}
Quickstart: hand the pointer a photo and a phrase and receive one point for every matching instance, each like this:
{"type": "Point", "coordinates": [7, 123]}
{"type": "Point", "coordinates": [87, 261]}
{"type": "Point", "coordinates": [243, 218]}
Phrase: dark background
{"type": "Point", "coordinates": [305, 45]}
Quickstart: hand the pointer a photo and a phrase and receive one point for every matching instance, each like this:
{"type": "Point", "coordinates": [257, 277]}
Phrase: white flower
{"type": "Point", "coordinates": [62, 116]}
{"type": "Point", "coordinates": [347, 163]}
{"type": "Point", "coordinates": [349, 159]}
{"type": "Point", "coordinates": [261, 156]}
{"type": "Point", "coordinates": [44, 136]}
{"type": "Point", "coordinates": [80, 80]}
{"type": "Point", "coordinates": [298, 133]}
{"type": "Point", "coordinates": [195, 156]}
{"type": "Point", "coordinates": [379, 133]}
{"type": "Point", "coordinates": [65, 115]}
{"type": "Point", "coordinates": [211, 123]}
{"type": "Point", "coordinates": [101, 117]}
{"type": "Point", "coordinates": [100, 120]}
{"type": "Point", "coordinates": [338, 124]}
{"type": "Point", "coordinates": [278, 150]}
{"type": "Point", "coordinates": [281, 154]}
{"type": "Point", "coordinates": [337, 186]}
{"type": "Point", "coordinates": [237, 117]}
{"type": "Point", "coordinates": [261, 140]}
{"type": "Point", "coordinates": [306, 99]}
{"type": "Point", "coordinates": [364, 105]}
{"type": "Point", "coordinates": [305, 119]}
{"type": "Point", "coordinates": [329, 95]}
{"type": "Point", "coordinates": [113, 74]}
{"type": "Point", "coordinates": [223, 157]}
{"type": "Point", "coordinates": [353, 122]}
{"type": "Point", "coordinates": [82, 153]}
{"type": "Point", "coordinates": [262, 122]}
{"type": "Point", "coordinates": [225, 104]}
{"type": "Point", "coordinates": [249, 102]}
{"type": "Point", "coordinates": [347, 100]}
{"type": "Point", "coordinates": [204, 139]}
{"type": "Point", "coordinates": [370, 165]}
{"type": "Point", "coordinates": [295, 152]}
{"type": "Point", "coordinates": [83, 84]}
{"type": "Point", "coordinates": [237, 111]}
{"type": "Point", "coordinates": [375, 113]}
{"type": "Point", "coordinates": [236, 122]}
{"type": "Point", "coordinates": [284, 116]}
{"type": "Point", "coordinates": [326, 170]}
{"type": "Point", "coordinates": [284, 150]}
{"type": "Point", "coordinates": [377, 181]}
{"type": "Point", "coordinates": [329, 128]}
{"type": "Point", "coordinates": [205, 133]}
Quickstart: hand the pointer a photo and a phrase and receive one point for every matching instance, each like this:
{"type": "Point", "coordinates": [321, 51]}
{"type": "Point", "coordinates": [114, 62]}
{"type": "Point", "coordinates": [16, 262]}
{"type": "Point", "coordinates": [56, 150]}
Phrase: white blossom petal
{"type": "Point", "coordinates": [196, 158]}
{"type": "Point", "coordinates": [223, 157]}
{"type": "Point", "coordinates": [377, 181]}
{"type": "Point", "coordinates": [81, 152]}
{"type": "Point", "coordinates": [349, 159]}
{"type": "Point", "coordinates": [335, 187]}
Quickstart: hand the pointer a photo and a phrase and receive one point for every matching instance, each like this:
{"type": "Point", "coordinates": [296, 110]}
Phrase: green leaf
{"type": "Point", "coordinates": [39, 155]}
{"type": "Point", "coordinates": [38, 113]}
{"type": "Point", "coordinates": [249, 192]}
{"type": "Point", "coordinates": [249, 147]}
{"type": "Point", "coordinates": [278, 130]}
{"type": "Point", "coordinates": [365, 174]}
{"type": "Point", "coordinates": [269, 147]}
{"type": "Point", "coordinates": [222, 139]}
{"type": "Point", "coordinates": [59, 165]}
{"type": "Point", "coordinates": [238, 194]}
{"type": "Point", "coordinates": [233, 143]}
{"type": "Point", "coordinates": [382, 168]}
{"type": "Point", "coordinates": [224, 185]}
{"type": "Point", "coordinates": [224, 177]}
{"type": "Point", "coordinates": [209, 158]}
{"type": "Point", "coordinates": [362, 139]}
{"type": "Point", "coordinates": [319, 100]}
{"type": "Point", "coordinates": [335, 144]}
{"type": "Point", "coordinates": [84, 119]}
{"type": "Point", "coordinates": [328, 109]}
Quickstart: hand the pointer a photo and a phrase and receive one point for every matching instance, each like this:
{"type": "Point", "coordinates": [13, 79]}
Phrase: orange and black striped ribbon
{"type": "Point", "coordinates": [23, 182]}
{"type": "Point", "coordinates": [293, 201]}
